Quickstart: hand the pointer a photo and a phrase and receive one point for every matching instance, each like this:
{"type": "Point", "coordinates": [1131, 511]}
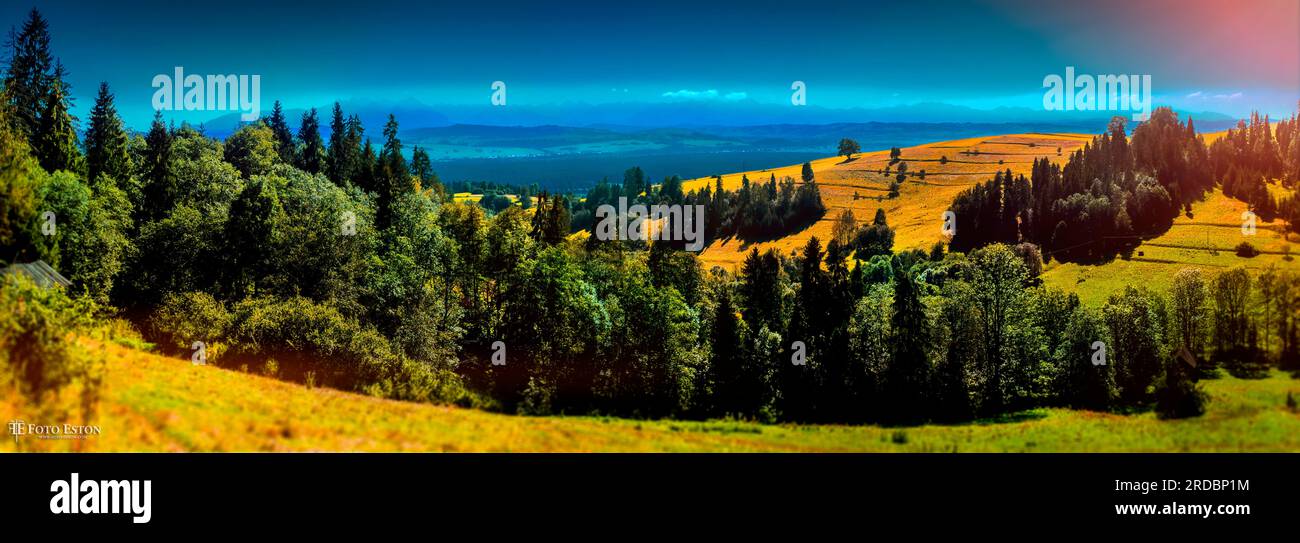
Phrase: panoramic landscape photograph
{"type": "Point", "coordinates": [993, 226]}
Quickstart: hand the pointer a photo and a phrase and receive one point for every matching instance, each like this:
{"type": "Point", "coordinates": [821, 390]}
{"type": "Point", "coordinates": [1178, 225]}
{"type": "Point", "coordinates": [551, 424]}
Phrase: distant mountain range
{"type": "Point", "coordinates": [572, 147]}
{"type": "Point", "coordinates": [413, 115]}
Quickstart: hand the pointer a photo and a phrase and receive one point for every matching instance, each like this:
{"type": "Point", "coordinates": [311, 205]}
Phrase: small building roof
{"type": "Point", "coordinates": [40, 273]}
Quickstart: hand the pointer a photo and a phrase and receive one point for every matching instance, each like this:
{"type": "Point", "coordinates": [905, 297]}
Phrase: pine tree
{"type": "Point", "coordinates": [344, 158]}
{"type": "Point", "coordinates": [391, 176]}
{"type": "Point", "coordinates": [538, 225]}
{"type": "Point", "coordinates": [726, 358]}
{"type": "Point", "coordinates": [336, 158]}
{"type": "Point", "coordinates": [159, 184]}
{"type": "Point", "coordinates": [106, 141]}
{"type": "Point", "coordinates": [56, 139]}
{"type": "Point", "coordinates": [909, 367]}
{"type": "Point", "coordinates": [634, 183]}
{"type": "Point", "coordinates": [836, 365]}
{"type": "Point", "coordinates": [807, 173]}
{"type": "Point", "coordinates": [421, 166]}
{"type": "Point", "coordinates": [558, 225]}
{"type": "Point", "coordinates": [760, 290]}
{"type": "Point", "coordinates": [28, 79]}
{"type": "Point", "coordinates": [366, 167]}
{"type": "Point", "coordinates": [284, 145]}
{"type": "Point", "coordinates": [311, 158]}
{"type": "Point", "coordinates": [391, 155]}
{"type": "Point", "coordinates": [802, 383]}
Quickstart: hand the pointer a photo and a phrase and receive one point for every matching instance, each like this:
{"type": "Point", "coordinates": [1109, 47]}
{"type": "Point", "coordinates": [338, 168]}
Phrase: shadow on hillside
{"type": "Point", "coordinates": [747, 241]}
{"type": "Point", "coordinates": [1021, 416]}
{"type": "Point", "coordinates": [1006, 418]}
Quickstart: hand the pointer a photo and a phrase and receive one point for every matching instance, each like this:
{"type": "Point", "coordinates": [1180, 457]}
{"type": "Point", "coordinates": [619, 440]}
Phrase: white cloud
{"type": "Point", "coordinates": [710, 94]}
{"type": "Point", "coordinates": [692, 94]}
{"type": "Point", "coordinates": [1194, 94]}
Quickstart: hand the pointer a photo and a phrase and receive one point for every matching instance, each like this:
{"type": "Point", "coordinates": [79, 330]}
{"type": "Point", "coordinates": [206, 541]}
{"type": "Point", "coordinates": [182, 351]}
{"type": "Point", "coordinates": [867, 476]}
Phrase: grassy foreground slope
{"type": "Point", "coordinates": [153, 403]}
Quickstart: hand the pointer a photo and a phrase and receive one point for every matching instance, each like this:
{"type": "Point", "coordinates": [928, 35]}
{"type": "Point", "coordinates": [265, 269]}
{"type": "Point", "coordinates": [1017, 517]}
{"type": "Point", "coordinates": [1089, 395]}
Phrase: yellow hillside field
{"type": "Point", "coordinates": [916, 214]}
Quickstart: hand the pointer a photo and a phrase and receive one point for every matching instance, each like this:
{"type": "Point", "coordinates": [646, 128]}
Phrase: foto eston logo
{"type": "Point", "coordinates": [92, 497]}
{"type": "Point", "coordinates": [209, 93]}
{"type": "Point", "coordinates": [17, 428]}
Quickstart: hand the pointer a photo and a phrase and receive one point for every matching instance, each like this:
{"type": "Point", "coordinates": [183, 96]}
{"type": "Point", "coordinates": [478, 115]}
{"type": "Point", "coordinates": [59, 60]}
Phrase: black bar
{"type": "Point", "coordinates": [323, 492]}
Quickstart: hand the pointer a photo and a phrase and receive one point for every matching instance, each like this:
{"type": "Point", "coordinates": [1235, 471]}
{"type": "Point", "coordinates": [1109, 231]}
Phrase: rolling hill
{"type": "Point", "coordinates": [917, 213]}
{"type": "Point", "coordinates": [1206, 238]}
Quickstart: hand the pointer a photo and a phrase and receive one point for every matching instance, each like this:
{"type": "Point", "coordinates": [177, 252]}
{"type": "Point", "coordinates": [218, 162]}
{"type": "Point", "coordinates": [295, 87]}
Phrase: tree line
{"type": "Point", "coordinates": [754, 211]}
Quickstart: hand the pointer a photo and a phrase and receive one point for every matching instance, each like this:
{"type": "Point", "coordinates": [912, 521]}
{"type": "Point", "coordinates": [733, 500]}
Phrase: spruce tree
{"type": "Point", "coordinates": [540, 217]}
{"type": "Point", "coordinates": [557, 222]}
{"type": "Point", "coordinates": [56, 139]}
{"type": "Point", "coordinates": [159, 184]}
{"type": "Point", "coordinates": [106, 141]}
{"type": "Point", "coordinates": [311, 158]}
{"type": "Point", "coordinates": [760, 290]}
{"type": "Point", "coordinates": [28, 78]}
{"type": "Point", "coordinates": [391, 155]}
{"type": "Point", "coordinates": [802, 383]}
{"type": "Point", "coordinates": [726, 359]}
{"type": "Point", "coordinates": [365, 169]}
{"type": "Point", "coordinates": [284, 145]}
{"type": "Point", "coordinates": [909, 366]}
{"type": "Point", "coordinates": [421, 166]}
{"type": "Point", "coordinates": [355, 134]}
{"type": "Point", "coordinates": [336, 158]}
{"type": "Point", "coordinates": [634, 183]}
{"type": "Point", "coordinates": [391, 175]}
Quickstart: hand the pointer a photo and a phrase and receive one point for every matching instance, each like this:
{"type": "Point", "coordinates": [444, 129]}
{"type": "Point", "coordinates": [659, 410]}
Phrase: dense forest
{"type": "Point", "coordinates": [754, 211]}
{"type": "Point", "coordinates": [1117, 190]}
{"type": "Point", "coordinates": [342, 263]}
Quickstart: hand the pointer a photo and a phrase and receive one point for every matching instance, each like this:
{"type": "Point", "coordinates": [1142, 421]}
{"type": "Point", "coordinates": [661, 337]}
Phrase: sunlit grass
{"type": "Point", "coordinates": [1206, 240]}
{"type": "Point", "coordinates": [152, 403]}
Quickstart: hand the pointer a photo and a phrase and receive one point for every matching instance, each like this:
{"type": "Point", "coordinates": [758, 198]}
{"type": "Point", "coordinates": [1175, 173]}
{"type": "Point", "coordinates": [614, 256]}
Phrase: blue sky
{"type": "Point", "coordinates": [1228, 58]}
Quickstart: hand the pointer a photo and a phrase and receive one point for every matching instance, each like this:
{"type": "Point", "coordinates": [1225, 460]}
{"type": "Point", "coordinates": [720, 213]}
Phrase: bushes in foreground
{"type": "Point", "coordinates": [36, 356]}
{"type": "Point", "coordinates": [303, 341]}
{"type": "Point", "coordinates": [1179, 397]}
